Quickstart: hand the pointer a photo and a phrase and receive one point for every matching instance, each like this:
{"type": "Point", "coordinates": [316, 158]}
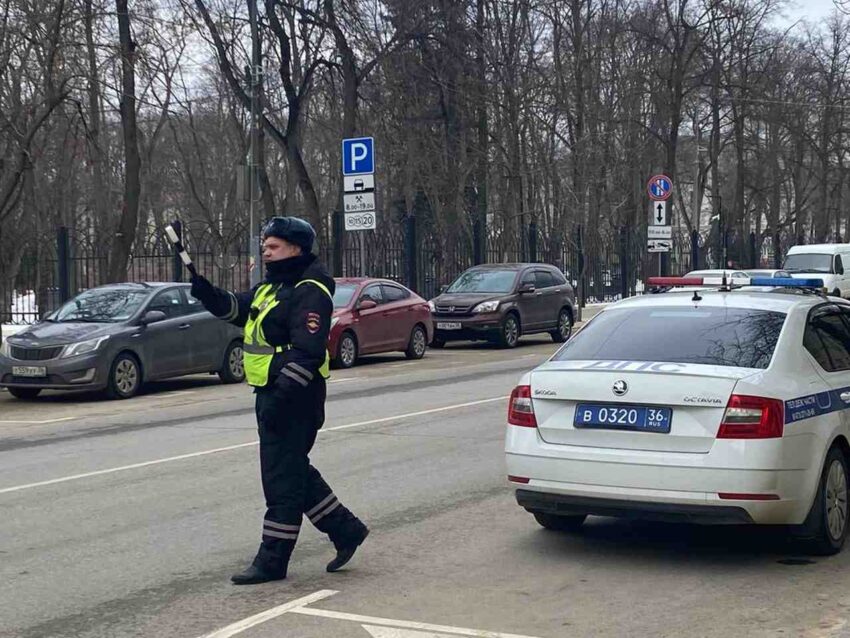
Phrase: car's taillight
{"type": "Point", "coordinates": [520, 409]}
{"type": "Point", "coordinates": [749, 417]}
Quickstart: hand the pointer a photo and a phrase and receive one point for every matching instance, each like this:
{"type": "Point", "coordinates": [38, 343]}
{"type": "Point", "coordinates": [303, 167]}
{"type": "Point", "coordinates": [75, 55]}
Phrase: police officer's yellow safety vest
{"type": "Point", "coordinates": [257, 351]}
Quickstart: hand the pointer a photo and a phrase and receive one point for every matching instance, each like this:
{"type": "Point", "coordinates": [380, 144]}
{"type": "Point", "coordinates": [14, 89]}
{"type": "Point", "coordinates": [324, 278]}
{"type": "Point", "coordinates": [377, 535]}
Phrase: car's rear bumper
{"type": "Point", "coordinates": [675, 484]}
{"type": "Point", "coordinates": [566, 504]}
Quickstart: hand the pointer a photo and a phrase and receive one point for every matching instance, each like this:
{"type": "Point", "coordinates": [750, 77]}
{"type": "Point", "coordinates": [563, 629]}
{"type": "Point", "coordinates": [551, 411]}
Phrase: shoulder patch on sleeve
{"type": "Point", "coordinates": [313, 323]}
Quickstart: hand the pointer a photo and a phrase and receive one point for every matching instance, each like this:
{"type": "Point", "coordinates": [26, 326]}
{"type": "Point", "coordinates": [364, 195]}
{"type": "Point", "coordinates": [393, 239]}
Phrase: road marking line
{"type": "Point", "coordinates": [406, 624]}
{"type": "Point", "coordinates": [112, 470]}
{"type": "Point", "coordinates": [64, 418]}
{"type": "Point", "coordinates": [174, 393]}
{"type": "Point", "coordinates": [274, 612]}
{"type": "Point", "coordinates": [342, 380]}
{"type": "Point", "coordinates": [412, 414]}
{"type": "Point", "coordinates": [181, 457]}
{"type": "Point", "coordinates": [299, 606]}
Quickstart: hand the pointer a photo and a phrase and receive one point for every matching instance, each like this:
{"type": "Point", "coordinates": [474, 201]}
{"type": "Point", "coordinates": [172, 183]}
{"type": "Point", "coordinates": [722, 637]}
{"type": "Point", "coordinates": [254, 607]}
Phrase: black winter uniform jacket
{"type": "Point", "coordinates": [302, 318]}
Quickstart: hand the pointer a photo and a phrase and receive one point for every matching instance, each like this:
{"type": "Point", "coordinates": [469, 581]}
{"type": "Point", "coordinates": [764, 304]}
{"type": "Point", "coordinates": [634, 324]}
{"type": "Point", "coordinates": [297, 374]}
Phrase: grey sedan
{"type": "Point", "coordinates": [116, 337]}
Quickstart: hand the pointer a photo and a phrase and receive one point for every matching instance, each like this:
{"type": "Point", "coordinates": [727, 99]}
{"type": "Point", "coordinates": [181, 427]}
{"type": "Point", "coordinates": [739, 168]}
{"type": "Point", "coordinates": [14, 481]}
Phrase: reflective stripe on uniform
{"type": "Point", "coordinates": [284, 535]}
{"type": "Point", "coordinates": [300, 369]}
{"type": "Point", "coordinates": [281, 526]}
{"type": "Point", "coordinates": [330, 508]}
{"type": "Point", "coordinates": [324, 502]}
{"type": "Point", "coordinates": [255, 349]}
{"type": "Point", "coordinates": [295, 377]}
{"type": "Point", "coordinates": [325, 507]}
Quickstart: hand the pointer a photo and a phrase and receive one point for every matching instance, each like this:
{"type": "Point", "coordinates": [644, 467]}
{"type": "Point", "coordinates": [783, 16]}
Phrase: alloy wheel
{"type": "Point", "coordinates": [126, 376]}
{"type": "Point", "coordinates": [836, 500]}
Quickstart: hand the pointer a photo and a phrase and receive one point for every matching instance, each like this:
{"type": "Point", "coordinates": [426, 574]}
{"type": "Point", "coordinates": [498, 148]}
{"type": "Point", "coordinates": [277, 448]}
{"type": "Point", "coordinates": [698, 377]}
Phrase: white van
{"type": "Point", "coordinates": [823, 261]}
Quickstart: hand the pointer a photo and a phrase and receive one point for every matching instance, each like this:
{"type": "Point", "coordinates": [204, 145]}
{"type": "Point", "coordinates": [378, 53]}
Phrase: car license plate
{"type": "Point", "coordinates": [641, 418]}
{"type": "Point", "coordinates": [29, 371]}
{"type": "Point", "coordinates": [448, 325]}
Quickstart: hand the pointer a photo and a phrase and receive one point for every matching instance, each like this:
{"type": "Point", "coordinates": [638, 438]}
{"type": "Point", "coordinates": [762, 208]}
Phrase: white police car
{"type": "Point", "coordinates": [724, 405]}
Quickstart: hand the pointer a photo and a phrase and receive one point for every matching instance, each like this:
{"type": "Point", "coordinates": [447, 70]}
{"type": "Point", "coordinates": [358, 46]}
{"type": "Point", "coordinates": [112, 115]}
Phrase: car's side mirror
{"type": "Point", "coordinates": [366, 304]}
{"type": "Point", "coordinates": [526, 288]}
{"type": "Point", "coordinates": [152, 316]}
{"type": "Point", "coordinates": [839, 267]}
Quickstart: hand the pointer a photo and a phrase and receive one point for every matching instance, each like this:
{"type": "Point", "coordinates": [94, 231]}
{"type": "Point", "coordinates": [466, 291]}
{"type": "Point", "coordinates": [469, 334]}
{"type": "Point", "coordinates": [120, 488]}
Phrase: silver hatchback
{"type": "Point", "coordinates": [116, 337]}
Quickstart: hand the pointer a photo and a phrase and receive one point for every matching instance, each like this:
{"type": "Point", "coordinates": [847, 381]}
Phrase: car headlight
{"type": "Point", "coordinates": [83, 347]}
{"type": "Point", "coordinates": [432, 306]}
{"type": "Point", "coordinates": [334, 321]}
{"type": "Point", "coordinates": [486, 306]}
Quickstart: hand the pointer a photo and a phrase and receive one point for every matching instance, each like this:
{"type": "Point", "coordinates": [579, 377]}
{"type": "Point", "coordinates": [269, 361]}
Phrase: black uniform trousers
{"type": "Point", "coordinates": [292, 487]}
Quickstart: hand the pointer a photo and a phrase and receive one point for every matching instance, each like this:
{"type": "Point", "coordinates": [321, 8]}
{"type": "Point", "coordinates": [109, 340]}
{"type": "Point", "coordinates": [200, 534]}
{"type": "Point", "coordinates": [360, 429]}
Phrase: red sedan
{"type": "Point", "coordinates": [377, 315]}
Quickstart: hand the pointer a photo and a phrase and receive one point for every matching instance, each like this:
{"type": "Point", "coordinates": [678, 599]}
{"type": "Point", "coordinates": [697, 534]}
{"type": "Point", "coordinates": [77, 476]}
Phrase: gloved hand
{"type": "Point", "coordinates": [283, 386]}
{"type": "Point", "coordinates": [202, 289]}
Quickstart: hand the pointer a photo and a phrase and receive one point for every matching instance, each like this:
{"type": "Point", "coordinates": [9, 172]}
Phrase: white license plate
{"type": "Point", "coordinates": [449, 325]}
{"type": "Point", "coordinates": [29, 371]}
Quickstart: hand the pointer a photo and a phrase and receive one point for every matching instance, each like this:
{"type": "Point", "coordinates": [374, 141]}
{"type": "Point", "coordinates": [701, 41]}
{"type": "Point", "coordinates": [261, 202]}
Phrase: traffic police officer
{"type": "Point", "coordinates": [287, 319]}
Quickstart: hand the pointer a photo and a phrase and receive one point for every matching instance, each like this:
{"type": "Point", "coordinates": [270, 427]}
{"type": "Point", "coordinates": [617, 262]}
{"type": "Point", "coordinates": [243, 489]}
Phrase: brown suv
{"type": "Point", "coordinates": [500, 302]}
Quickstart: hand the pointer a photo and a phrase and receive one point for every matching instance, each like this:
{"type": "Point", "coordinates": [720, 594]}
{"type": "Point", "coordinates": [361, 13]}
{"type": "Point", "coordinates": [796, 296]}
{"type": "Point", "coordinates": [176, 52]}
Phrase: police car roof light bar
{"type": "Point", "coordinates": [777, 282]}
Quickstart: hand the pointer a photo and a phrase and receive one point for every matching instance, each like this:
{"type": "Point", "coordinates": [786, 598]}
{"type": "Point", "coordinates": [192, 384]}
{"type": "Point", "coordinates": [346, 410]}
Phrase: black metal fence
{"type": "Point", "coordinates": [602, 268]}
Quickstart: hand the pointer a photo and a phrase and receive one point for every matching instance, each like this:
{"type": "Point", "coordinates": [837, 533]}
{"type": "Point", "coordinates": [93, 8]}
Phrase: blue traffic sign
{"type": "Point", "coordinates": [358, 156]}
{"type": "Point", "coordinates": [660, 187]}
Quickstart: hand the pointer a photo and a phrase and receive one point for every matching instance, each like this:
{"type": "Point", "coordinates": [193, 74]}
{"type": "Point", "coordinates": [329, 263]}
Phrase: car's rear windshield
{"type": "Point", "coordinates": [484, 281]}
{"type": "Point", "coordinates": [343, 295]}
{"type": "Point", "coordinates": [738, 337]}
{"type": "Point", "coordinates": [808, 262]}
{"type": "Point", "coordinates": [104, 305]}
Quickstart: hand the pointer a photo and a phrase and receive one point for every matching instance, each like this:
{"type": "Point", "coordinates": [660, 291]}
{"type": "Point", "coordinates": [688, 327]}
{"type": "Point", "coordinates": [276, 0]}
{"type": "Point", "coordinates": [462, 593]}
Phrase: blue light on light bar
{"type": "Point", "coordinates": [787, 282]}
{"type": "Point", "coordinates": [737, 282]}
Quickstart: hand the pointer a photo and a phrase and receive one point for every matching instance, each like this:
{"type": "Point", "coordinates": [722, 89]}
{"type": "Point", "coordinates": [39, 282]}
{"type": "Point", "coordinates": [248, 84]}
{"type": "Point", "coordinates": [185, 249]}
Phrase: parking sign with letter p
{"type": "Point", "coordinates": [358, 156]}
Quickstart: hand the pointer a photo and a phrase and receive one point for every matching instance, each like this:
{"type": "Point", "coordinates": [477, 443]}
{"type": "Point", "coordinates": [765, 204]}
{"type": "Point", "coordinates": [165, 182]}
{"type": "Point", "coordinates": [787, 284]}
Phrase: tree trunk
{"type": "Point", "coordinates": [126, 231]}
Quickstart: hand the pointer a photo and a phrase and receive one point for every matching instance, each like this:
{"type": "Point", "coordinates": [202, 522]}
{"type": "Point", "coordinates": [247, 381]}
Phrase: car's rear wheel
{"type": "Point", "coordinates": [346, 350]}
{"type": "Point", "coordinates": [24, 393]}
{"type": "Point", "coordinates": [560, 522]}
{"type": "Point", "coordinates": [826, 526]}
{"type": "Point", "coordinates": [565, 327]}
{"type": "Point", "coordinates": [836, 293]}
{"type": "Point", "coordinates": [417, 344]}
{"type": "Point", "coordinates": [233, 367]}
{"type": "Point", "coordinates": [125, 377]}
{"type": "Point", "coordinates": [509, 331]}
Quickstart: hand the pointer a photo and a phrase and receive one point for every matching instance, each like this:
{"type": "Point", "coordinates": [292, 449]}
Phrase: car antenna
{"type": "Point", "coordinates": [696, 296]}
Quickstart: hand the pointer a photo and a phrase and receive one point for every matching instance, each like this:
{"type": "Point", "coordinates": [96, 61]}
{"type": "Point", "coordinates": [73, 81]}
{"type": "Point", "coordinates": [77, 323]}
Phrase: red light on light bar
{"type": "Point", "coordinates": [518, 479]}
{"type": "Point", "coordinates": [674, 281]}
{"type": "Point", "coordinates": [733, 496]}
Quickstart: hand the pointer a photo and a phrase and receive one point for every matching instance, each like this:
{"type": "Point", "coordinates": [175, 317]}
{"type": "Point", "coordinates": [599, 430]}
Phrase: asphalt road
{"type": "Point", "coordinates": [127, 519]}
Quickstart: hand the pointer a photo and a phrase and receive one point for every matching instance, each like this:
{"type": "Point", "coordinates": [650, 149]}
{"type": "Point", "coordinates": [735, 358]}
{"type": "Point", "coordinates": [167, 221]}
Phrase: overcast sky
{"type": "Point", "coordinates": [810, 10]}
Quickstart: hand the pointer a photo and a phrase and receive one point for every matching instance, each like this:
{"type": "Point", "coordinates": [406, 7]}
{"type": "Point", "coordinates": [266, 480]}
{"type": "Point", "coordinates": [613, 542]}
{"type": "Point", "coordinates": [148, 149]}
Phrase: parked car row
{"type": "Point", "coordinates": [116, 337]}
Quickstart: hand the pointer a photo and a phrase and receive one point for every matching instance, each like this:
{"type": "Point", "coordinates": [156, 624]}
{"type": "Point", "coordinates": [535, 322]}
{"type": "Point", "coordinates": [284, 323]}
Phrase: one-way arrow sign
{"type": "Point", "coordinates": [658, 214]}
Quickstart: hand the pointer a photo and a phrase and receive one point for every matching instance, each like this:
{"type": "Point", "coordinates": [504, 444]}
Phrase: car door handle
{"type": "Point", "coordinates": [184, 326]}
{"type": "Point", "coordinates": [845, 396]}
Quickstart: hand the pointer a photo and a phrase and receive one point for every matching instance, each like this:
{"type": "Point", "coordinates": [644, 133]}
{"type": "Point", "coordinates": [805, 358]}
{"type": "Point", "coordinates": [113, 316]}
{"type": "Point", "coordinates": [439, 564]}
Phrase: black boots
{"type": "Point", "coordinates": [255, 575]}
{"type": "Point", "coordinates": [344, 553]}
